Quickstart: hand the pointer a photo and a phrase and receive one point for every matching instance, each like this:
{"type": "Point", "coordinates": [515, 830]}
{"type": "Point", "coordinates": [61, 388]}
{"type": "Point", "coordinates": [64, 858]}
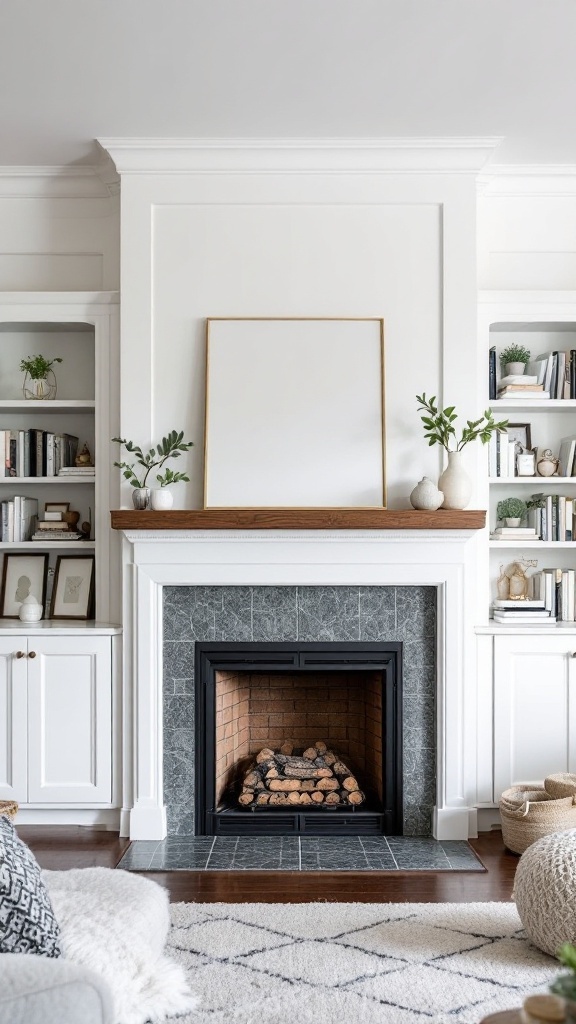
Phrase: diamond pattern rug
{"type": "Point", "coordinates": [355, 963]}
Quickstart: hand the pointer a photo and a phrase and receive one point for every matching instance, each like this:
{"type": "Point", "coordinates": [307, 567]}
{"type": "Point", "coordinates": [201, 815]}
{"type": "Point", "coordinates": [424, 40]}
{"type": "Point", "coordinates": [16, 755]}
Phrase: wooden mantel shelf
{"type": "Point", "coordinates": [299, 519]}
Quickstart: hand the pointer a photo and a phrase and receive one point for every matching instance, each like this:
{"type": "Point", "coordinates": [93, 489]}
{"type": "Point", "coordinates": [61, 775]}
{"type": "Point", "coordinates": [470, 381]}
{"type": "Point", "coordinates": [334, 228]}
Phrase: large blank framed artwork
{"type": "Point", "coordinates": [295, 413]}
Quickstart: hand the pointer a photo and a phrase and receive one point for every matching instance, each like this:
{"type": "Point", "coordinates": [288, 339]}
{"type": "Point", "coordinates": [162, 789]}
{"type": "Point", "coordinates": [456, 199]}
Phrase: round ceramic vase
{"type": "Point", "coordinates": [426, 496]}
{"type": "Point", "coordinates": [161, 499]}
{"type": "Point", "coordinates": [455, 483]}
{"type": "Point", "coordinates": [141, 498]}
{"type": "Point", "coordinates": [30, 610]}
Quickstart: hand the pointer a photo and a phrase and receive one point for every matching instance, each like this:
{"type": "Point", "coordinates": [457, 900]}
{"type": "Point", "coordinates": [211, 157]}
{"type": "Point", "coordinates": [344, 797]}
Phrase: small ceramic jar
{"type": "Point", "coordinates": [30, 610]}
{"type": "Point", "coordinates": [548, 464]}
{"type": "Point", "coordinates": [426, 495]}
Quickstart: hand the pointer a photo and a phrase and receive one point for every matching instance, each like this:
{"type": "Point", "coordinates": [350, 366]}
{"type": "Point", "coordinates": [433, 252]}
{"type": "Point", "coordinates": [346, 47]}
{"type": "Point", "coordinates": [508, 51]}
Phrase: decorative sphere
{"type": "Point", "coordinates": [30, 610]}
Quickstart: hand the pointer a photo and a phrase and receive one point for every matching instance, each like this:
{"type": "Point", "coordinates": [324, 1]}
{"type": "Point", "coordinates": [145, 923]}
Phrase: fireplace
{"type": "Point", "coordinates": [254, 695]}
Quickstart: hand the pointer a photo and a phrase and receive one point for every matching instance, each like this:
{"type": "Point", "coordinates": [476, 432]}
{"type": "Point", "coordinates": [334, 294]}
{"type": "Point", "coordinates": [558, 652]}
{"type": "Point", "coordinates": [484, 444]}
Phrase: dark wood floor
{"type": "Point", "coordinates": [62, 847]}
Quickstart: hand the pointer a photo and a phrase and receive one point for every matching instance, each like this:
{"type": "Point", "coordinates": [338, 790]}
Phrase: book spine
{"type": "Point", "coordinates": [561, 517]}
{"type": "Point", "coordinates": [492, 373]}
{"type": "Point", "coordinates": [549, 526]}
{"type": "Point", "coordinates": [50, 454]}
{"type": "Point", "coordinates": [569, 518]}
{"type": "Point", "coordinates": [4, 522]}
{"type": "Point", "coordinates": [573, 373]}
{"type": "Point", "coordinates": [39, 453]}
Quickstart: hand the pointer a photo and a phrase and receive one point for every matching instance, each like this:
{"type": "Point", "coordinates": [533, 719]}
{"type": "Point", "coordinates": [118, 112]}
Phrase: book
{"type": "Point", "coordinates": [561, 378]}
{"type": "Point", "coordinates": [511, 388]}
{"type": "Point", "coordinates": [566, 456]}
{"type": "Point", "coordinates": [524, 394]}
{"type": "Point", "coordinates": [537, 369]}
{"type": "Point", "coordinates": [547, 620]}
{"type": "Point", "coordinates": [505, 615]}
{"type": "Point", "coordinates": [548, 359]}
{"type": "Point", "coordinates": [28, 514]}
{"type": "Point", "coordinates": [56, 535]}
{"type": "Point", "coordinates": [534, 604]}
{"type": "Point", "coordinates": [519, 378]}
{"type": "Point", "coordinates": [573, 373]}
{"type": "Point", "coordinates": [492, 373]}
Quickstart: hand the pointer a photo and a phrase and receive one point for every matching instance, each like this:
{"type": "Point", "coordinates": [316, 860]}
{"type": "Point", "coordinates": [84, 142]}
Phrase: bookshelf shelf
{"type": "Point", "coordinates": [33, 480]}
{"type": "Point", "coordinates": [540, 544]}
{"type": "Point", "coordinates": [519, 481]}
{"type": "Point", "coordinates": [55, 405]}
{"type": "Point", "coordinates": [37, 545]}
{"type": "Point", "coordinates": [551, 404]}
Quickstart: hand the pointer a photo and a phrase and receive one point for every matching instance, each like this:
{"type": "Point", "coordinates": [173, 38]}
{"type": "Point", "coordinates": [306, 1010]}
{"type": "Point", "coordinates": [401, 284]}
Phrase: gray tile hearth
{"type": "Point", "coordinates": [295, 853]}
{"type": "Point", "coordinates": [321, 613]}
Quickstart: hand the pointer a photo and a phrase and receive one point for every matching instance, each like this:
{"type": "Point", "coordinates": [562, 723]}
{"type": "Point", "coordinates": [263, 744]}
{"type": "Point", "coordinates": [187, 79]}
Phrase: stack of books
{"type": "Point", "coordinates": [17, 518]}
{"type": "Point", "coordinates": [514, 533]}
{"type": "Point", "coordinates": [556, 519]}
{"type": "Point", "coordinates": [556, 588]}
{"type": "Point", "coordinates": [36, 452]}
{"type": "Point", "coordinates": [523, 613]}
{"type": "Point", "coordinates": [521, 386]}
{"type": "Point", "coordinates": [501, 456]}
{"type": "Point", "coordinates": [84, 471]}
{"type": "Point", "coordinates": [48, 530]}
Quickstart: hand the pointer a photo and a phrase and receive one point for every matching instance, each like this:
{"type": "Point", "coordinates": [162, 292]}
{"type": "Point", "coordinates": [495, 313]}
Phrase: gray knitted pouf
{"type": "Point", "coordinates": [545, 891]}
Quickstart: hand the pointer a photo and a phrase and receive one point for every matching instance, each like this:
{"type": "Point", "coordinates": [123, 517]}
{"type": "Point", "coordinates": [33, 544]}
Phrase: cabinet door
{"type": "Point", "coordinates": [13, 720]}
{"type": "Point", "coordinates": [69, 719]}
{"type": "Point", "coordinates": [534, 708]}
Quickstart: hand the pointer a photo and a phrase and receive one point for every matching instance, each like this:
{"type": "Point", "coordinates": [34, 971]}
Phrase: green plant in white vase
{"type": "Point", "coordinates": [513, 359]}
{"type": "Point", "coordinates": [511, 510]}
{"type": "Point", "coordinates": [439, 426]}
{"type": "Point", "coordinates": [171, 447]}
{"type": "Point", "coordinates": [39, 380]}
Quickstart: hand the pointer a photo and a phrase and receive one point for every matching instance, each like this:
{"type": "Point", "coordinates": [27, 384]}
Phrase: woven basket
{"type": "Point", "coordinates": [9, 808]}
{"type": "Point", "coordinates": [529, 814]}
{"type": "Point", "coordinates": [561, 784]}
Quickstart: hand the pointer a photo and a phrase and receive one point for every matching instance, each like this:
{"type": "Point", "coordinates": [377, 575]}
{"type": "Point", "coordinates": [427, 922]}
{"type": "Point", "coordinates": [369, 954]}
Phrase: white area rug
{"type": "Point", "coordinates": [354, 963]}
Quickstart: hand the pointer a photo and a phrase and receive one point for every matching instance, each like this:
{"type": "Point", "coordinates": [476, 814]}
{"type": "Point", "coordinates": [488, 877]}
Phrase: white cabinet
{"type": "Point", "coordinates": [56, 737]}
{"type": "Point", "coordinates": [534, 708]}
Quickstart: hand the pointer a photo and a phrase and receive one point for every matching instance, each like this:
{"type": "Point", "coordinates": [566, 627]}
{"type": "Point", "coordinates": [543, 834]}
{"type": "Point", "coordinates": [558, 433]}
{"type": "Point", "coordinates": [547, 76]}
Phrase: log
{"type": "Point", "coordinates": [307, 786]}
{"type": "Point", "coordinates": [263, 798]}
{"type": "Point", "coordinates": [305, 798]}
{"type": "Point", "coordinates": [330, 758]}
{"type": "Point", "coordinates": [317, 797]}
{"type": "Point", "coordinates": [265, 755]}
{"type": "Point", "coordinates": [339, 768]}
{"type": "Point", "coordinates": [307, 773]}
{"type": "Point", "coordinates": [252, 779]}
{"type": "Point", "coordinates": [350, 784]}
{"type": "Point", "coordinates": [332, 798]}
{"type": "Point", "coordinates": [284, 785]}
{"type": "Point", "coordinates": [287, 748]}
{"type": "Point", "coordinates": [320, 746]}
{"type": "Point", "coordinates": [278, 798]}
{"type": "Point", "coordinates": [326, 785]}
{"type": "Point", "coordinates": [357, 797]}
{"type": "Point", "coordinates": [310, 754]}
{"type": "Point", "coordinates": [245, 798]}
{"type": "Point", "coordinates": [293, 798]}
{"type": "Point", "coordinates": [272, 773]}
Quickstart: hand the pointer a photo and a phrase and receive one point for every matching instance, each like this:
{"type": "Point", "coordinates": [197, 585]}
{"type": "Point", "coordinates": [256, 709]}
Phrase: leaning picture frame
{"type": "Point", "coordinates": [295, 413]}
{"type": "Point", "coordinates": [73, 590]}
{"type": "Point", "coordinates": [23, 575]}
{"type": "Point", "coordinates": [521, 433]}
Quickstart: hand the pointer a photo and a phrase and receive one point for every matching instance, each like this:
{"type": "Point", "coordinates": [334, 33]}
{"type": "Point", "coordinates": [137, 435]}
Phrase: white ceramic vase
{"type": "Point", "coordinates": [514, 368]}
{"type": "Point", "coordinates": [426, 495]}
{"type": "Point", "coordinates": [30, 610]}
{"type": "Point", "coordinates": [455, 483]}
{"type": "Point", "coordinates": [161, 499]}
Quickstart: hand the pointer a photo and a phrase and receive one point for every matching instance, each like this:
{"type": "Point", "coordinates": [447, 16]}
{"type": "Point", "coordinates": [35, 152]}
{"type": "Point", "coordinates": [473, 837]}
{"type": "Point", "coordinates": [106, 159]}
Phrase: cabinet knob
{"type": "Point", "coordinates": [20, 654]}
{"type": "Point", "coordinates": [32, 654]}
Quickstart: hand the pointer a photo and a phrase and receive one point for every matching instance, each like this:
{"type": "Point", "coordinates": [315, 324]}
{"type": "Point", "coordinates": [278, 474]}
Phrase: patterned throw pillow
{"type": "Point", "coordinates": [27, 922]}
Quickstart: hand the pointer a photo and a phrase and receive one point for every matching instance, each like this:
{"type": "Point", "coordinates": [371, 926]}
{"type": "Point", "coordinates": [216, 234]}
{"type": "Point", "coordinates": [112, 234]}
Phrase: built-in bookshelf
{"type": "Point", "coordinates": [41, 438]}
{"type": "Point", "coordinates": [544, 323]}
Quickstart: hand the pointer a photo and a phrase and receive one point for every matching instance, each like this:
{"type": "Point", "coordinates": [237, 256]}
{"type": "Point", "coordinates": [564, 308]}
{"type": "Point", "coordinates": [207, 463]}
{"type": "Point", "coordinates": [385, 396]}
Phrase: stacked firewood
{"type": "Point", "coordinates": [318, 778]}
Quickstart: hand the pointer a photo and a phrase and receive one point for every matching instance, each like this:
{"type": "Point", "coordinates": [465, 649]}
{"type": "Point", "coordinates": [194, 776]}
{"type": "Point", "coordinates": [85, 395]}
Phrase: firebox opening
{"type": "Point", "coordinates": [251, 696]}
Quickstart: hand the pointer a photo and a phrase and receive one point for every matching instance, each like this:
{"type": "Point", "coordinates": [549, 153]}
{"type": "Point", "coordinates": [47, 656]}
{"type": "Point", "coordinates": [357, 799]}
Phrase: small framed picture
{"type": "Point", "coordinates": [23, 574]}
{"type": "Point", "coordinates": [73, 591]}
{"type": "Point", "coordinates": [57, 506]}
{"type": "Point", "coordinates": [522, 434]}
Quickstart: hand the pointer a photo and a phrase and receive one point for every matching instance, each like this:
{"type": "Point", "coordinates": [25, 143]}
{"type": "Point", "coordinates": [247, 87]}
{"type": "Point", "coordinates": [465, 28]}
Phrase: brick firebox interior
{"type": "Point", "coordinates": [256, 710]}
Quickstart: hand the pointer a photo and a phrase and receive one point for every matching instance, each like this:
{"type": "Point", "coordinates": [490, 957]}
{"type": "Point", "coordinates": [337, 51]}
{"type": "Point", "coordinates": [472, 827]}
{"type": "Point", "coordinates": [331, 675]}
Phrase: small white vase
{"type": "Point", "coordinates": [426, 495]}
{"type": "Point", "coordinates": [455, 483]}
{"type": "Point", "coordinates": [515, 368]}
{"type": "Point", "coordinates": [161, 499]}
{"type": "Point", "coordinates": [513, 522]}
{"type": "Point", "coordinates": [30, 610]}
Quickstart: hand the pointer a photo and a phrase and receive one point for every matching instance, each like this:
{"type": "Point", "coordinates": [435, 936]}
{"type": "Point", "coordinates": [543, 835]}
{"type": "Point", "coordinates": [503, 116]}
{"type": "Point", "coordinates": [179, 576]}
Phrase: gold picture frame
{"type": "Point", "coordinates": [295, 413]}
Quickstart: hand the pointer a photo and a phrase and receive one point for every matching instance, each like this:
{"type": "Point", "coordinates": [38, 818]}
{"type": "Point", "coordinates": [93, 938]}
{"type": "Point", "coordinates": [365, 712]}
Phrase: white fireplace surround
{"type": "Point", "coordinates": [441, 558]}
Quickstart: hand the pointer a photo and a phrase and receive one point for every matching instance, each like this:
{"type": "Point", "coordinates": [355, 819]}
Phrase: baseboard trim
{"type": "Point", "coordinates": [103, 819]}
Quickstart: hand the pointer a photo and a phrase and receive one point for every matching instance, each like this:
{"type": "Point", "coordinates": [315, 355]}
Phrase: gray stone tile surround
{"type": "Point", "coordinates": [290, 613]}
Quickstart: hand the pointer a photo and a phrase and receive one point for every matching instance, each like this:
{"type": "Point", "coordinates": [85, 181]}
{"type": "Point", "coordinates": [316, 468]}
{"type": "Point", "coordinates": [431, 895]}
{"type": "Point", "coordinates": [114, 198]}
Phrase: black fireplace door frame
{"type": "Point", "coordinates": [211, 658]}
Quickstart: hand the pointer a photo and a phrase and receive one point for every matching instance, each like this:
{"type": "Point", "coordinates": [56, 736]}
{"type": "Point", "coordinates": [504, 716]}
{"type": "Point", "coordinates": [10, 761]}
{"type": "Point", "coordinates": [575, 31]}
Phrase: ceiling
{"type": "Point", "coordinates": [75, 70]}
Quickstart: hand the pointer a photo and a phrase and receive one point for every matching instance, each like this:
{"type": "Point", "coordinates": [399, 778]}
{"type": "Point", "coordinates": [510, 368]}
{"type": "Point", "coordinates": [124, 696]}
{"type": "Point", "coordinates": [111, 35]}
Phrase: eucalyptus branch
{"type": "Point", "coordinates": [439, 425]}
{"type": "Point", "coordinates": [170, 447]}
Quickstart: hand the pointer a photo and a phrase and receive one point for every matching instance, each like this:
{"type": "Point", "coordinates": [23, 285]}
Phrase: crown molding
{"type": "Point", "coordinates": [300, 156]}
{"type": "Point", "coordinates": [54, 182]}
{"type": "Point", "coordinates": [528, 180]}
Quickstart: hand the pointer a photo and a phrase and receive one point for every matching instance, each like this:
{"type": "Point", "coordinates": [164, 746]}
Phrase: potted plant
{"type": "Point", "coordinates": [514, 358]}
{"type": "Point", "coordinates": [565, 985]}
{"type": "Point", "coordinates": [170, 447]}
{"type": "Point", "coordinates": [439, 426]}
{"type": "Point", "coordinates": [512, 511]}
{"type": "Point", "coordinates": [39, 380]}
